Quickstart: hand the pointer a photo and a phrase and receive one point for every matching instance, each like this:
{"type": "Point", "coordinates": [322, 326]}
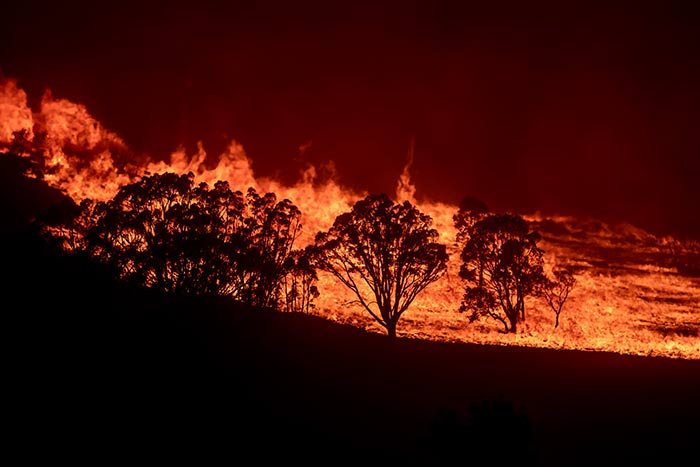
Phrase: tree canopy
{"type": "Point", "coordinates": [386, 253]}
{"type": "Point", "coordinates": [501, 265]}
{"type": "Point", "coordinates": [166, 232]}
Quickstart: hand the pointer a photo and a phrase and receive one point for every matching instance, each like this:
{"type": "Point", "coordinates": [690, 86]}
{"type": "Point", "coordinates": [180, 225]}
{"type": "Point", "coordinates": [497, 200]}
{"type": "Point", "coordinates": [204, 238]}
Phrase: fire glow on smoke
{"type": "Point", "coordinates": [621, 304]}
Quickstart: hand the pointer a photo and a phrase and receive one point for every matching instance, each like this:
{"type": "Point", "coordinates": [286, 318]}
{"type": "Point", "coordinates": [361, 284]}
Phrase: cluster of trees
{"type": "Point", "coordinates": [169, 233]}
{"type": "Point", "coordinates": [502, 265]}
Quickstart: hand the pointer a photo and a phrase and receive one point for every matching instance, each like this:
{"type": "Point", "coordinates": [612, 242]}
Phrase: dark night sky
{"type": "Point", "coordinates": [564, 107]}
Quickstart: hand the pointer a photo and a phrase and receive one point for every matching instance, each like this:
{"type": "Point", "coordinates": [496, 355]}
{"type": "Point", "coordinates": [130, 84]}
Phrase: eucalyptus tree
{"type": "Point", "coordinates": [502, 265]}
{"type": "Point", "coordinates": [169, 233]}
{"type": "Point", "coordinates": [386, 253]}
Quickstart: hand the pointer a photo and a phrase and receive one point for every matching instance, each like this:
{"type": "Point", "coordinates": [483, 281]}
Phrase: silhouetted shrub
{"type": "Point", "coordinates": [492, 432]}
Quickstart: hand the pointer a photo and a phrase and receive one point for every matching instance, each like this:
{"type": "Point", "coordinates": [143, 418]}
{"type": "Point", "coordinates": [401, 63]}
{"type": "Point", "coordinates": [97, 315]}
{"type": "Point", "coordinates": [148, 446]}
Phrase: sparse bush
{"type": "Point", "coordinates": [556, 291]}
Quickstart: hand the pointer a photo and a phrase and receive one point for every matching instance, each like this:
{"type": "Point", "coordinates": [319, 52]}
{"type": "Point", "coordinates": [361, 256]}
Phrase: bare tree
{"type": "Point", "coordinates": [556, 291]}
{"type": "Point", "coordinates": [385, 253]}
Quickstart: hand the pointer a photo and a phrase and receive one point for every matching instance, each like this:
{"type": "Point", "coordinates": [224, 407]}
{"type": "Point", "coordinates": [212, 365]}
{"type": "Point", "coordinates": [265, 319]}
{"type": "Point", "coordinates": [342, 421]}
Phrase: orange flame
{"type": "Point", "coordinates": [405, 190]}
{"type": "Point", "coordinates": [15, 115]}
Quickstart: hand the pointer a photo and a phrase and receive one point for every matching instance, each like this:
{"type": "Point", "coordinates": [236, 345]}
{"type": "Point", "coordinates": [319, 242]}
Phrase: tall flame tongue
{"type": "Point", "coordinates": [646, 309]}
{"type": "Point", "coordinates": [15, 114]}
{"type": "Point", "coordinates": [80, 152]}
{"type": "Point", "coordinates": [319, 202]}
{"type": "Point", "coordinates": [405, 190]}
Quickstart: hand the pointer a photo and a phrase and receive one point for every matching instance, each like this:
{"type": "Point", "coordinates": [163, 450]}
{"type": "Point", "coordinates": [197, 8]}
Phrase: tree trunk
{"type": "Point", "coordinates": [505, 326]}
{"type": "Point", "coordinates": [513, 319]}
{"type": "Point", "coordinates": [391, 329]}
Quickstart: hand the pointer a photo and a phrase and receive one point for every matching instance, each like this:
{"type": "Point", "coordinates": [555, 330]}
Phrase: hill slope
{"type": "Point", "coordinates": [111, 372]}
{"type": "Point", "coordinates": [100, 372]}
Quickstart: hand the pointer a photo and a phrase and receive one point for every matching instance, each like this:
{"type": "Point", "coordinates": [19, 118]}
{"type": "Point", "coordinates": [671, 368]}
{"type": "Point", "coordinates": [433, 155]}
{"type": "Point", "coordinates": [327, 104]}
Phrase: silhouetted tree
{"type": "Point", "coordinates": [470, 211]}
{"type": "Point", "coordinates": [385, 253]}
{"type": "Point", "coordinates": [502, 265]}
{"type": "Point", "coordinates": [274, 228]}
{"type": "Point", "coordinates": [299, 285]}
{"type": "Point", "coordinates": [166, 232]}
{"type": "Point", "coordinates": [556, 291]}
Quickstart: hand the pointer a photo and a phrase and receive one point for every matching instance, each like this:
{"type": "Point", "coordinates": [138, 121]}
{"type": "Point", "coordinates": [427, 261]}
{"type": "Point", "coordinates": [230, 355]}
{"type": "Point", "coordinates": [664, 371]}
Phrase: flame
{"type": "Point", "coordinates": [405, 190]}
{"type": "Point", "coordinates": [639, 306]}
{"type": "Point", "coordinates": [15, 115]}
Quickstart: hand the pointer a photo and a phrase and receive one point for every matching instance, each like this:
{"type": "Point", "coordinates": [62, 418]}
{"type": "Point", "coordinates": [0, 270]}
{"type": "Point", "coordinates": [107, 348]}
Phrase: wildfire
{"type": "Point", "coordinates": [643, 307]}
{"type": "Point", "coordinates": [15, 115]}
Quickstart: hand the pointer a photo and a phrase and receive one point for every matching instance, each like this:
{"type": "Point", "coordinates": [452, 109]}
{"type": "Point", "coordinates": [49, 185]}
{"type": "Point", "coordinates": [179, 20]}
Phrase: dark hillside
{"type": "Point", "coordinates": [113, 372]}
{"type": "Point", "coordinates": [101, 373]}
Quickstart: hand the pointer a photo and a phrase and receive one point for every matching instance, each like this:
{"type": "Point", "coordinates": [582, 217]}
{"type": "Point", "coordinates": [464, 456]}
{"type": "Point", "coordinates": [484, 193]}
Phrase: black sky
{"type": "Point", "coordinates": [563, 107]}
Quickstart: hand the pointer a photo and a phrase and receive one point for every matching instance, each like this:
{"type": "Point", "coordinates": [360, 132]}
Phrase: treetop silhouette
{"type": "Point", "coordinates": [501, 265]}
{"type": "Point", "coordinates": [168, 233]}
{"type": "Point", "coordinates": [385, 253]}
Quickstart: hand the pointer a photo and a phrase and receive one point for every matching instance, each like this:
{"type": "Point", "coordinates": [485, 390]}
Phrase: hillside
{"type": "Point", "coordinates": [109, 373]}
{"type": "Point", "coordinates": [100, 372]}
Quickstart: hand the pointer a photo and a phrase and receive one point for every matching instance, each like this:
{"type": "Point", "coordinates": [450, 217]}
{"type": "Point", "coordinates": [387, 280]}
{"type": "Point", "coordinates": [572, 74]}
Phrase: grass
{"type": "Point", "coordinates": [627, 299]}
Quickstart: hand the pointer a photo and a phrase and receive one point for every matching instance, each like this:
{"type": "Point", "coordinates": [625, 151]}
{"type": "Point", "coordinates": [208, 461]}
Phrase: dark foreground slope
{"type": "Point", "coordinates": [98, 373]}
{"type": "Point", "coordinates": [105, 373]}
